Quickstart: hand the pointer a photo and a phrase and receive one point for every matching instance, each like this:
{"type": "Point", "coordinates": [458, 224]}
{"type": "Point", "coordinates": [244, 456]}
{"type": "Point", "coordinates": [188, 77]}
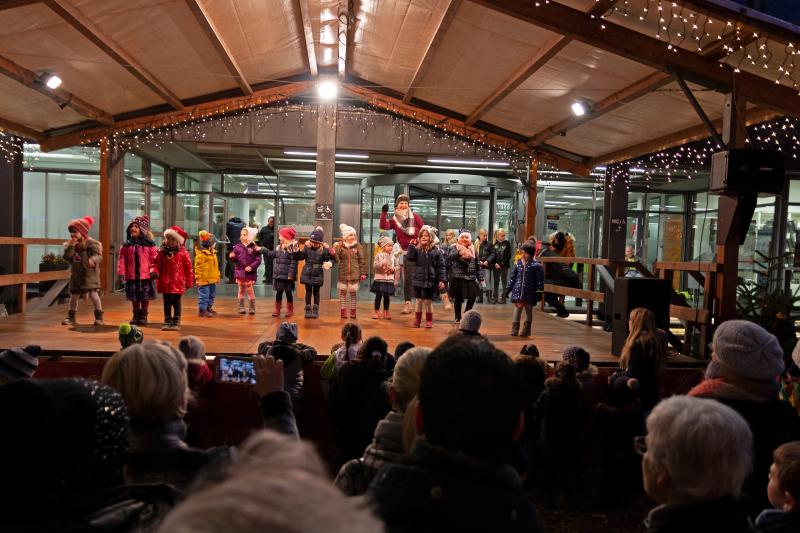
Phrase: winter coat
{"type": "Point", "coordinates": [295, 356]}
{"type": "Point", "coordinates": [502, 253]}
{"type": "Point", "coordinates": [403, 238]}
{"type": "Point", "coordinates": [82, 276]}
{"type": "Point", "coordinates": [135, 258]}
{"type": "Point", "coordinates": [558, 273]}
{"type": "Point", "coordinates": [313, 273]}
{"type": "Point", "coordinates": [381, 265]}
{"type": "Point", "coordinates": [778, 521]}
{"type": "Point", "coordinates": [429, 267]}
{"type": "Point", "coordinates": [525, 282]}
{"type": "Point", "coordinates": [485, 252]}
{"type": "Point", "coordinates": [266, 237]}
{"type": "Point", "coordinates": [233, 230]}
{"type": "Point", "coordinates": [243, 257]}
{"type": "Point", "coordinates": [461, 268]}
{"type": "Point", "coordinates": [206, 266]}
{"type": "Point", "coordinates": [352, 262]}
{"type": "Point", "coordinates": [174, 270]}
{"type": "Point", "coordinates": [435, 489]}
{"type": "Point", "coordinates": [559, 413]}
{"type": "Point", "coordinates": [642, 365]}
{"type": "Point", "coordinates": [284, 262]}
{"type": "Point", "coordinates": [724, 514]}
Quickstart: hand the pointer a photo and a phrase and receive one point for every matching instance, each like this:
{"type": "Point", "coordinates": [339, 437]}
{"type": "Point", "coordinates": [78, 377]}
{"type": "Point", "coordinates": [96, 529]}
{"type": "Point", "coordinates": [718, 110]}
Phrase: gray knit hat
{"type": "Point", "coordinates": [471, 322]}
{"type": "Point", "coordinates": [383, 241]}
{"type": "Point", "coordinates": [287, 332]}
{"type": "Point", "coordinates": [192, 347]}
{"type": "Point", "coordinates": [402, 198]}
{"type": "Point", "coordinates": [747, 350]}
{"type": "Point", "coordinates": [19, 363]}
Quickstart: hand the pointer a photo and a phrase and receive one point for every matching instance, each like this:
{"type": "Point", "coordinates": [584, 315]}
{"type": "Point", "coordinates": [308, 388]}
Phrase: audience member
{"type": "Point", "coordinates": [470, 324]}
{"type": "Point", "coordinates": [585, 371]}
{"type": "Point", "coordinates": [129, 334]}
{"type": "Point", "coordinates": [275, 402]}
{"type": "Point", "coordinates": [151, 377]}
{"type": "Point", "coordinates": [351, 344]}
{"type": "Point", "coordinates": [19, 363]}
{"type": "Point", "coordinates": [455, 478]}
{"type": "Point", "coordinates": [617, 420]}
{"type": "Point", "coordinates": [697, 454]}
{"type": "Point", "coordinates": [376, 347]}
{"type": "Point", "coordinates": [200, 379]}
{"type": "Point", "coordinates": [295, 357]}
{"type": "Point", "coordinates": [530, 350]}
{"type": "Point", "coordinates": [534, 372]}
{"type": "Point", "coordinates": [783, 492]}
{"type": "Point", "coordinates": [644, 355]}
{"type": "Point", "coordinates": [743, 373]}
{"type": "Point", "coordinates": [402, 348]}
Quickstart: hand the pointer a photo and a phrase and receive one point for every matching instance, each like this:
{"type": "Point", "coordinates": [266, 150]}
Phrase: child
{"type": "Point", "coordinates": [284, 269]}
{"type": "Point", "coordinates": [318, 258]}
{"type": "Point", "coordinates": [246, 258]}
{"type": "Point", "coordinates": [783, 491]}
{"type": "Point", "coordinates": [129, 334]}
{"type": "Point", "coordinates": [585, 371]}
{"type": "Point", "coordinates": [135, 258]}
{"type": "Point", "coordinates": [444, 249]}
{"type": "Point", "coordinates": [383, 271]}
{"type": "Point", "coordinates": [173, 269]}
{"type": "Point", "coordinates": [351, 344]}
{"type": "Point", "coordinates": [84, 255]}
{"type": "Point", "coordinates": [295, 357]}
{"type": "Point", "coordinates": [524, 285]}
{"type": "Point", "coordinates": [429, 274]}
{"type": "Point", "coordinates": [465, 273]}
{"type": "Point", "coordinates": [206, 274]}
{"type": "Point", "coordinates": [352, 269]}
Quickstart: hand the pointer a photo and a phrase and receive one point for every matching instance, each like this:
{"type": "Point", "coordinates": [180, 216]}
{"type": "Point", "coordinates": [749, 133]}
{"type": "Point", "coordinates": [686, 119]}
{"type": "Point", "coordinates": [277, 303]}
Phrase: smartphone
{"type": "Point", "coordinates": [239, 370]}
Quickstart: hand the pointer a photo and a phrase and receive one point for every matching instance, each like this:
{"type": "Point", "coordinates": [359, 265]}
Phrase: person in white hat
{"type": "Point", "coordinates": [384, 267]}
{"type": "Point", "coordinates": [352, 269]}
{"type": "Point", "coordinates": [429, 274]}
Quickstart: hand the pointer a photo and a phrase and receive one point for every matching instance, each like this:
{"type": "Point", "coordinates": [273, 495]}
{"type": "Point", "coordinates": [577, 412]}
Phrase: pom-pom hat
{"type": "Point", "coordinates": [81, 225]}
{"type": "Point", "coordinates": [347, 230]}
{"type": "Point", "coordinates": [288, 233]}
{"type": "Point", "coordinates": [318, 235]}
{"type": "Point", "coordinates": [177, 233]}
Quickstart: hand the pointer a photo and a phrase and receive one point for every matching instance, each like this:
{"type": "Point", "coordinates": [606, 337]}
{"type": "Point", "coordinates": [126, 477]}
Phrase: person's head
{"type": "Point", "coordinates": [470, 322]}
{"type": "Point", "coordinates": [348, 234]}
{"type": "Point", "coordinates": [528, 252]}
{"type": "Point", "coordinates": [482, 234]}
{"type": "Point", "coordinates": [783, 489]}
{"type": "Point", "coordinates": [470, 398]}
{"type": "Point", "coordinates": [19, 363]}
{"type": "Point", "coordinates": [247, 235]}
{"type": "Point", "coordinates": [206, 239]}
{"type": "Point", "coordinates": [565, 374]}
{"type": "Point", "coordinates": [465, 239]}
{"type": "Point", "coordinates": [450, 236]}
{"type": "Point", "coordinates": [402, 348]}
{"type": "Point", "coordinates": [287, 235]}
{"type": "Point", "coordinates": [175, 236]}
{"type": "Point", "coordinates": [192, 348]}
{"type": "Point", "coordinates": [151, 377]}
{"type": "Point", "coordinates": [271, 222]}
{"type": "Point", "coordinates": [351, 333]}
{"type": "Point", "coordinates": [373, 351]}
{"type": "Point", "coordinates": [406, 377]}
{"type": "Point", "coordinates": [316, 238]}
{"type": "Point", "coordinates": [79, 227]}
{"type": "Point", "coordinates": [129, 334]}
{"type": "Point", "coordinates": [386, 244]}
{"type": "Point", "coordinates": [629, 251]}
{"type": "Point", "coordinates": [697, 449]}
{"type": "Point", "coordinates": [499, 234]}
{"type": "Point", "coordinates": [425, 238]}
{"type": "Point", "coordinates": [402, 204]}
{"type": "Point", "coordinates": [746, 352]}
{"type": "Point", "coordinates": [139, 227]}
{"type": "Point", "coordinates": [533, 372]}
{"type": "Point", "coordinates": [287, 332]}
{"type": "Point", "coordinates": [531, 350]}
{"type": "Point", "coordinates": [59, 437]}
{"type": "Point", "coordinates": [642, 327]}
{"type": "Point", "coordinates": [576, 357]}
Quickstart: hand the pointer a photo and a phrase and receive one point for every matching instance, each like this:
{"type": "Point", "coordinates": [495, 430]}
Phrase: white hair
{"type": "Point", "coordinates": [406, 376]}
{"type": "Point", "coordinates": [704, 445]}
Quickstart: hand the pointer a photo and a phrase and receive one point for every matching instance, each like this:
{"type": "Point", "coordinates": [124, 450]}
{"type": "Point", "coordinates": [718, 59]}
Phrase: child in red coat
{"type": "Point", "coordinates": [173, 269]}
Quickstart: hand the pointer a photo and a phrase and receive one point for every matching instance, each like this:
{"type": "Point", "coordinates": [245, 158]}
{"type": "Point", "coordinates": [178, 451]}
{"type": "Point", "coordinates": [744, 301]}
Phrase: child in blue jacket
{"type": "Point", "coordinates": [525, 284]}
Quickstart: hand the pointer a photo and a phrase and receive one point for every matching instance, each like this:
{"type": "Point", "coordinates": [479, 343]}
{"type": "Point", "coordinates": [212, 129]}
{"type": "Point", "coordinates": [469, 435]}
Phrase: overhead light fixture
{"type": "Point", "coordinates": [352, 155]}
{"type": "Point", "coordinates": [303, 153]}
{"type": "Point", "coordinates": [581, 107]}
{"type": "Point", "coordinates": [467, 162]}
{"type": "Point", "coordinates": [52, 81]}
{"type": "Point", "coordinates": [327, 90]}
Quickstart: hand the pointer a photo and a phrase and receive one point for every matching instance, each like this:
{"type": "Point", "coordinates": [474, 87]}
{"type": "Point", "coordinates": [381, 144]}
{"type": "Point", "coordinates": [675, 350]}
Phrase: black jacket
{"type": "Point", "coordinates": [429, 267]}
{"type": "Point", "coordinates": [233, 230]}
{"type": "Point", "coordinates": [724, 514]}
{"type": "Point", "coordinates": [460, 268]}
{"type": "Point", "coordinates": [558, 273]}
{"type": "Point", "coordinates": [266, 237]}
{"type": "Point", "coordinates": [486, 253]}
{"type": "Point", "coordinates": [776, 521]}
{"type": "Point", "coordinates": [313, 273]}
{"type": "Point", "coordinates": [435, 489]}
{"type": "Point", "coordinates": [502, 253]}
{"type": "Point", "coordinates": [295, 357]}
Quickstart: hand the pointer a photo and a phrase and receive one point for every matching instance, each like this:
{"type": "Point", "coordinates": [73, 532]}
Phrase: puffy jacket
{"type": "Point", "coordinates": [206, 266]}
{"type": "Point", "coordinates": [174, 270]}
{"type": "Point", "coordinates": [525, 281]}
{"type": "Point", "coordinates": [135, 259]}
{"type": "Point", "coordinates": [243, 257]}
{"type": "Point", "coordinates": [284, 262]}
{"type": "Point", "coordinates": [84, 277]}
{"type": "Point", "coordinates": [384, 266]}
{"type": "Point", "coordinates": [233, 230]}
{"type": "Point", "coordinates": [429, 267]}
{"type": "Point", "coordinates": [485, 252]}
{"type": "Point", "coordinates": [295, 356]}
{"type": "Point", "coordinates": [352, 262]}
{"type": "Point", "coordinates": [502, 254]}
{"type": "Point", "coordinates": [461, 268]}
{"type": "Point", "coordinates": [403, 238]}
{"type": "Point", "coordinates": [266, 237]}
{"type": "Point", "coordinates": [558, 273]}
{"type": "Point", "coordinates": [313, 273]}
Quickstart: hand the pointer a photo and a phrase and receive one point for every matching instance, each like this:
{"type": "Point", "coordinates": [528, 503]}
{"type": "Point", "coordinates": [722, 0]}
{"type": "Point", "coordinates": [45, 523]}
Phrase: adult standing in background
{"type": "Point", "coordinates": [406, 225]}
{"type": "Point", "coordinates": [502, 262]}
{"type": "Point", "coordinates": [485, 252]}
{"type": "Point", "coordinates": [266, 239]}
{"type": "Point", "coordinates": [233, 230]}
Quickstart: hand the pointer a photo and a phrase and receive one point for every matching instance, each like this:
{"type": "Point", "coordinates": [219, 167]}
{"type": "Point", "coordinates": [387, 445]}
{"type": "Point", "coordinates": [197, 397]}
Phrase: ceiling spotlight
{"type": "Point", "coordinates": [327, 90]}
{"type": "Point", "coordinates": [579, 108]}
{"type": "Point", "coordinates": [53, 81]}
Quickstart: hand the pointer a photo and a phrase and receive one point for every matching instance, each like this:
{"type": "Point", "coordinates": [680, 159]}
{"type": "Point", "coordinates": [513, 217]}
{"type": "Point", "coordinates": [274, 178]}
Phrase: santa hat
{"type": "Point", "coordinates": [402, 198]}
{"type": "Point", "coordinates": [251, 234]}
{"type": "Point", "coordinates": [318, 235]}
{"type": "Point", "coordinates": [81, 225]}
{"type": "Point", "coordinates": [177, 233]}
{"type": "Point", "coordinates": [287, 233]}
{"type": "Point", "coordinates": [346, 230]}
{"type": "Point", "coordinates": [142, 221]}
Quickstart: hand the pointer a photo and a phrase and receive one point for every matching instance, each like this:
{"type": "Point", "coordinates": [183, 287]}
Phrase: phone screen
{"type": "Point", "coordinates": [230, 370]}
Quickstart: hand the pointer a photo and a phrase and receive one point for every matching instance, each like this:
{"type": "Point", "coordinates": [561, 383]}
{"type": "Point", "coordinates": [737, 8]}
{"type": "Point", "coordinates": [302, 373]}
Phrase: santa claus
{"type": "Point", "coordinates": [406, 225]}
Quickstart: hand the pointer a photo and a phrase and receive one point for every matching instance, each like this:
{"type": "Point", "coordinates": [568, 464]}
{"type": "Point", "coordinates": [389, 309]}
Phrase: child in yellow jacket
{"type": "Point", "coordinates": [206, 274]}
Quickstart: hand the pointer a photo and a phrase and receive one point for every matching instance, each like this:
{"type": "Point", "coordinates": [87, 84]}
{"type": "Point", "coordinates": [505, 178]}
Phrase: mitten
{"type": "Point", "coordinates": [385, 208]}
{"type": "Point", "coordinates": [327, 265]}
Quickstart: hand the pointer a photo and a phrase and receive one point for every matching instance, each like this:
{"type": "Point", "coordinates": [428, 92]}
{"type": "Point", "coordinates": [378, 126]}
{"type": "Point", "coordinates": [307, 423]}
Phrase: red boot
{"type": "Point", "coordinates": [352, 313]}
{"type": "Point", "coordinates": [277, 311]}
{"type": "Point", "coordinates": [376, 315]}
{"type": "Point", "coordinates": [428, 320]}
{"type": "Point", "coordinates": [343, 312]}
{"type": "Point", "coordinates": [417, 319]}
{"type": "Point", "coordinates": [386, 315]}
{"type": "Point", "coordinates": [289, 309]}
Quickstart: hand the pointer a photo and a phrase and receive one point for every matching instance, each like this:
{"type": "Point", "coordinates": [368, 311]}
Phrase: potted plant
{"type": "Point", "coordinates": [49, 263]}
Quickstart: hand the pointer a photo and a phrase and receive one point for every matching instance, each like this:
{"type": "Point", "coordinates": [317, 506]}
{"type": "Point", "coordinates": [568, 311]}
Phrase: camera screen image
{"type": "Point", "coordinates": [236, 371]}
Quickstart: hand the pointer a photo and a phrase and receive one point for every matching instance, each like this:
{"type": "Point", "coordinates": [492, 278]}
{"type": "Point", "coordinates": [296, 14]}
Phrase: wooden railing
{"type": "Point", "coordinates": [590, 295]}
{"type": "Point", "coordinates": [23, 278]}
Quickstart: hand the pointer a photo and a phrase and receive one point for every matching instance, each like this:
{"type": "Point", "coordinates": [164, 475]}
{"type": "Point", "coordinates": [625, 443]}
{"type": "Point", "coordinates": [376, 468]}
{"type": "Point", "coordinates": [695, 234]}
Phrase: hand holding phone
{"type": "Point", "coordinates": [237, 370]}
{"type": "Point", "coordinates": [269, 375]}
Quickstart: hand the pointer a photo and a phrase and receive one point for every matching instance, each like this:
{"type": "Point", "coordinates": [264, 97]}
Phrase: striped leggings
{"type": "Point", "coordinates": [246, 287]}
{"type": "Point", "coordinates": [343, 299]}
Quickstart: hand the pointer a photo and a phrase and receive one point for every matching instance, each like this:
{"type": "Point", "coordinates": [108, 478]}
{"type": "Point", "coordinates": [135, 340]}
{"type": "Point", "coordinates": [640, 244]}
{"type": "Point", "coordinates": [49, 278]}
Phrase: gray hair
{"type": "Point", "coordinates": [406, 376]}
{"type": "Point", "coordinates": [704, 445]}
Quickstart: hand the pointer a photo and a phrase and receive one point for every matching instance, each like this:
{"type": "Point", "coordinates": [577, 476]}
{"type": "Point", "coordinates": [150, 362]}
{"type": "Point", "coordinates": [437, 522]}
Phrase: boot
{"type": "Point", "coordinates": [526, 330]}
{"type": "Point", "coordinates": [446, 299]}
{"type": "Point", "coordinates": [98, 318]}
{"type": "Point", "coordinates": [352, 313]}
{"type": "Point", "coordinates": [502, 301]}
{"type": "Point", "coordinates": [210, 312]}
{"type": "Point", "coordinates": [314, 311]}
{"type": "Point", "coordinates": [386, 315]}
{"type": "Point", "coordinates": [202, 313]}
{"type": "Point", "coordinates": [135, 319]}
{"type": "Point", "coordinates": [417, 319]}
{"type": "Point", "coordinates": [252, 309]}
{"type": "Point", "coordinates": [70, 320]}
{"type": "Point", "coordinates": [376, 314]}
{"type": "Point", "coordinates": [514, 329]}
{"type": "Point", "coordinates": [143, 318]}
{"type": "Point", "coordinates": [480, 297]}
{"type": "Point", "coordinates": [308, 312]}
{"type": "Point", "coordinates": [428, 320]}
{"type": "Point", "coordinates": [241, 306]}
{"type": "Point", "coordinates": [289, 309]}
{"type": "Point", "coordinates": [176, 324]}
{"type": "Point", "coordinates": [167, 323]}
{"type": "Point", "coordinates": [343, 312]}
{"type": "Point", "coordinates": [406, 309]}
{"type": "Point", "coordinates": [277, 311]}
{"type": "Point", "coordinates": [490, 298]}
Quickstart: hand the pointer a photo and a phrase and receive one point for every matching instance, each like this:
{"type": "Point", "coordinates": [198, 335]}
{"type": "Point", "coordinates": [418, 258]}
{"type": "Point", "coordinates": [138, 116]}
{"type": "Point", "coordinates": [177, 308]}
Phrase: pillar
{"type": "Point", "coordinates": [615, 214]}
{"type": "Point", "coordinates": [11, 179]}
{"type": "Point", "coordinates": [112, 190]}
{"type": "Point", "coordinates": [326, 173]}
{"type": "Point", "coordinates": [530, 207]}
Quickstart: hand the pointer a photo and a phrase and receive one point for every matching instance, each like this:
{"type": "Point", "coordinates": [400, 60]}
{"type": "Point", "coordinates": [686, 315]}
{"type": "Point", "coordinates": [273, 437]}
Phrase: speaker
{"type": "Point", "coordinates": [747, 171]}
{"type": "Point", "coordinates": [630, 293]}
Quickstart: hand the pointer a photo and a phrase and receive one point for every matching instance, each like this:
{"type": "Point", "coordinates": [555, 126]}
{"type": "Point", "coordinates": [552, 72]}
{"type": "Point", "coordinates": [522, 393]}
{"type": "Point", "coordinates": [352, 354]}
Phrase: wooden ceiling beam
{"type": "Point", "coordinates": [352, 26]}
{"type": "Point", "coordinates": [430, 51]}
{"type": "Point", "coordinates": [63, 98]}
{"type": "Point", "coordinates": [648, 51]}
{"type": "Point", "coordinates": [303, 18]}
{"type": "Point", "coordinates": [694, 133]}
{"type": "Point", "coordinates": [11, 4]}
{"type": "Point", "coordinates": [90, 31]}
{"type": "Point", "coordinates": [20, 130]}
{"type": "Point", "coordinates": [210, 29]}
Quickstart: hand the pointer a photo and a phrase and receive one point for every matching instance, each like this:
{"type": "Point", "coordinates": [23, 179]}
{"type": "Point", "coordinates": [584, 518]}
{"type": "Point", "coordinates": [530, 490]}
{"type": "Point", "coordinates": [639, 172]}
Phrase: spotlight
{"type": "Point", "coordinates": [327, 90]}
{"type": "Point", "coordinates": [53, 81]}
{"type": "Point", "coordinates": [579, 109]}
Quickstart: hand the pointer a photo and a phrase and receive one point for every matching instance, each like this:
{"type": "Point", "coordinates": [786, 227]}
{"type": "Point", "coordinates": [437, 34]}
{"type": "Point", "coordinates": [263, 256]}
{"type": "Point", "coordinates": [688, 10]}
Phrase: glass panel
{"type": "Point", "coordinates": [133, 167]}
{"type": "Point", "coordinates": [192, 211]}
{"type": "Point", "coordinates": [471, 217]}
{"type": "Point", "coordinates": [157, 175]}
{"type": "Point", "coordinates": [134, 205]}
{"type": "Point", "coordinates": [503, 216]}
{"type": "Point", "coordinates": [298, 185]}
{"type": "Point", "coordinates": [575, 221]}
{"type": "Point", "coordinates": [199, 181]}
{"type": "Point", "coordinates": [705, 201]}
{"type": "Point", "coordinates": [156, 209]}
{"type": "Point", "coordinates": [569, 198]}
{"type": "Point", "coordinates": [218, 218]}
{"type": "Point", "coordinates": [758, 241]}
{"type": "Point", "coordinates": [425, 207]}
{"type": "Point", "coordinates": [635, 201]}
{"type": "Point", "coordinates": [367, 223]}
{"type": "Point", "coordinates": [452, 216]}
{"type": "Point", "coordinates": [299, 213]}
{"type": "Point", "coordinates": [794, 191]}
{"type": "Point", "coordinates": [83, 158]}
{"type": "Point", "coordinates": [249, 183]}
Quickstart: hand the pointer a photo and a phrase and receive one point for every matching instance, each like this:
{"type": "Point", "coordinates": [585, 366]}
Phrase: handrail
{"type": "Point", "coordinates": [583, 260]}
{"type": "Point", "coordinates": [31, 241]}
{"type": "Point", "coordinates": [688, 266]}
{"type": "Point", "coordinates": [23, 278]}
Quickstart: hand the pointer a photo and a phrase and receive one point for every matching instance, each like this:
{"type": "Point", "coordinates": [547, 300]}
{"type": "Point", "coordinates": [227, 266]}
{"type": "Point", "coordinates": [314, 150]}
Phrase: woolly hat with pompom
{"type": "Point", "coordinates": [746, 350]}
{"type": "Point", "coordinates": [347, 230]}
{"type": "Point", "coordinates": [81, 225]}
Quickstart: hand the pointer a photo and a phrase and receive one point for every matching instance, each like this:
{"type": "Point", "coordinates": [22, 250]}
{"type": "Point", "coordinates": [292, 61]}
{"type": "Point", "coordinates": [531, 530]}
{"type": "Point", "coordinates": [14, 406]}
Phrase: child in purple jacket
{"type": "Point", "coordinates": [246, 257]}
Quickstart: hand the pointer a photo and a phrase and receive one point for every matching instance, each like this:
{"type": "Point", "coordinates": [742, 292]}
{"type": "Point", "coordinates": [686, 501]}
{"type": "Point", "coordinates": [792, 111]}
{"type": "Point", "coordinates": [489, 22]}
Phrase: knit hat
{"type": "Point", "coordinates": [466, 234]}
{"type": "Point", "coordinates": [81, 225]}
{"type": "Point", "coordinates": [747, 350]}
{"type": "Point", "coordinates": [428, 229]}
{"type": "Point", "coordinates": [177, 233]}
{"type": "Point", "coordinates": [528, 248]}
{"type": "Point", "coordinates": [383, 241]}
{"type": "Point", "coordinates": [288, 233]}
{"type": "Point", "coordinates": [192, 347]}
{"type": "Point", "coordinates": [251, 234]}
{"type": "Point", "coordinates": [19, 363]}
{"type": "Point", "coordinates": [287, 332]}
{"type": "Point", "coordinates": [470, 322]}
{"type": "Point", "coordinates": [129, 334]}
{"type": "Point", "coordinates": [435, 235]}
{"type": "Point", "coordinates": [402, 198]}
{"type": "Point", "coordinates": [346, 230]}
{"type": "Point", "coordinates": [576, 357]}
{"type": "Point", "coordinates": [205, 236]}
{"type": "Point", "coordinates": [142, 221]}
{"type": "Point", "coordinates": [318, 235]}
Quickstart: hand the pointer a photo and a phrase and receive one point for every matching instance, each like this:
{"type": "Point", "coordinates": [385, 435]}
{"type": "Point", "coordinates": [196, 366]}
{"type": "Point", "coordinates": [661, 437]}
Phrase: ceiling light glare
{"type": "Point", "coordinates": [327, 90]}
{"type": "Point", "coordinates": [53, 81]}
{"type": "Point", "coordinates": [579, 109]}
{"type": "Point", "coordinates": [467, 162]}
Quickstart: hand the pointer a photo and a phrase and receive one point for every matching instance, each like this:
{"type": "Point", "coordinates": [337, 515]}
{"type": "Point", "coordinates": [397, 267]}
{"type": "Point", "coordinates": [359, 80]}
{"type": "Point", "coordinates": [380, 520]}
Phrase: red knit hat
{"type": "Point", "coordinates": [81, 225]}
{"type": "Point", "coordinates": [177, 233]}
{"type": "Point", "coordinates": [288, 233]}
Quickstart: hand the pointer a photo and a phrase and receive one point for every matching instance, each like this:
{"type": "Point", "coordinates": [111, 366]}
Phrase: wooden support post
{"type": "Point", "coordinates": [11, 174]}
{"type": "Point", "coordinates": [326, 170]}
{"type": "Point", "coordinates": [590, 305]}
{"type": "Point", "coordinates": [530, 207]}
{"type": "Point", "coordinates": [111, 208]}
{"type": "Point", "coordinates": [23, 266]}
{"type": "Point", "coordinates": [105, 208]}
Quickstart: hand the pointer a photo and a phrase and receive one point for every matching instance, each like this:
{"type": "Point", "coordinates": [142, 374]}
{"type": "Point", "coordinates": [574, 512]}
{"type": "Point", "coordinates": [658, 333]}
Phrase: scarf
{"type": "Point", "coordinates": [464, 252]}
{"type": "Point", "coordinates": [406, 223]}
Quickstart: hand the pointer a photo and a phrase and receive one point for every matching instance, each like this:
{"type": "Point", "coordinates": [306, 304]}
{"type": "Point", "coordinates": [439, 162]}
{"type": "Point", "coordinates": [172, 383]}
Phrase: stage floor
{"type": "Point", "coordinates": [231, 333]}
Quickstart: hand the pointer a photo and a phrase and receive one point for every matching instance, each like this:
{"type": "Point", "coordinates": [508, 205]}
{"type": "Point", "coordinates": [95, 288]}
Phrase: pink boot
{"type": "Point", "coordinates": [277, 311]}
{"type": "Point", "coordinates": [289, 309]}
{"type": "Point", "coordinates": [429, 320]}
{"type": "Point", "coordinates": [343, 313]}
{"type": "Point", "coordinates": [386, 315]}
{"type": "Point", "coordinates": [417, 319]}
{"type": "Point", "coordinates": [376, 315]}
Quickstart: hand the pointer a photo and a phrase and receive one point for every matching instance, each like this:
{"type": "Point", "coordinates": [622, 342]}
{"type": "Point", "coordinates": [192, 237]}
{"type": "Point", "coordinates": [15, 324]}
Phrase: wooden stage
{"type": "Point", "coordinates": [231, 333]}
